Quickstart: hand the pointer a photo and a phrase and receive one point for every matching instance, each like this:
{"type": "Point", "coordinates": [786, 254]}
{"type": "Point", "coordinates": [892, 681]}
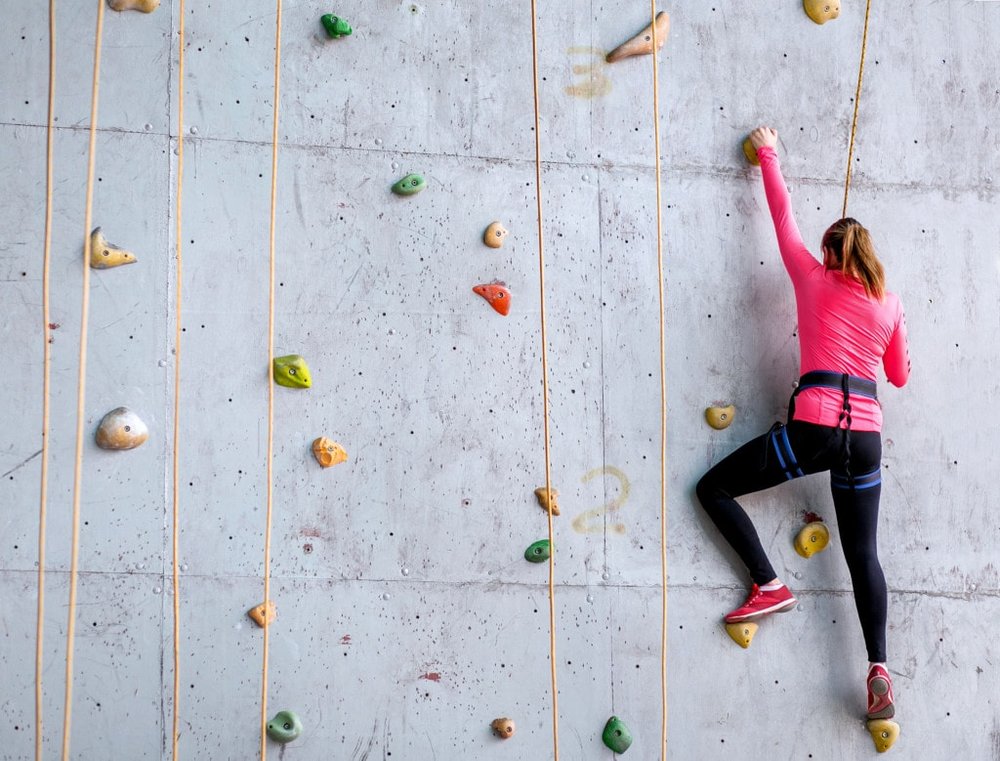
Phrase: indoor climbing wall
{"type": "Point", "coordinates": [407, 618]}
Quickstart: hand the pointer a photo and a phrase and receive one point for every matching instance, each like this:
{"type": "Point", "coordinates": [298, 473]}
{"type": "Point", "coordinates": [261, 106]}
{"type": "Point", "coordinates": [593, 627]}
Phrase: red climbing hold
{"type": "Point", "coordinates": [497, 294]}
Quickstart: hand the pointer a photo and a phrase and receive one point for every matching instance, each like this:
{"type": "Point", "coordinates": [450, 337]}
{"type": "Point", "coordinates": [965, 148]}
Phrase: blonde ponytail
{"type": "Point", "coordinates": [851, 251]}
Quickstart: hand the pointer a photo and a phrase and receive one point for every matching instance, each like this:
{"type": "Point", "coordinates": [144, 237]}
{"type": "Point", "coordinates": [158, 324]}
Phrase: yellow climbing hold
{"type": "Point", "coordinates": [813, 538]}
{"type": "Point", "coordinates": [822, 11]}
{"type": "Point", "coordinates": [146, 6]}
{"type": "Point", "coordinates": [750, 152]}
{"type": "Point", "coordinates": [547, 500]}
{"type": "Point", "coordinates": [257, 613]}
{"type": "Point", "coordinates": [742, 633]}
{"type": "Point", "coordinates": [884, 733]}
{"type": "Point", "coordinates": [494, 235]}
{"type": "Point", "coordinates": [720, 417]}
{"type": "Point", "coordinates": [104, 255]}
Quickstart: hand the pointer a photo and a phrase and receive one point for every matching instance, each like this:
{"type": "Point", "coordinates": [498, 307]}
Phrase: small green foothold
{"type": "Point", "coordinates": [616, 735]}
{"type": "Point", "coordinates": [284, 727]}
{"type": "Point", "coordinates": [292, 371]}
{"type": "Point", "coordinates": [335, 26]}
{"type": "Point", "coordinates": [538, 552]}
{"type": "Point", "coordinates": [409, 185]}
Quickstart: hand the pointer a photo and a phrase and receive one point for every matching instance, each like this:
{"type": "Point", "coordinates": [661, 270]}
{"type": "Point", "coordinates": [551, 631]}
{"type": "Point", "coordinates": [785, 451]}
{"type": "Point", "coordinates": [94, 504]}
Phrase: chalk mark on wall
{"type": "Point", "coordinates": [594, 84]}
{"type": "Point", "coordinates": [590, 521]}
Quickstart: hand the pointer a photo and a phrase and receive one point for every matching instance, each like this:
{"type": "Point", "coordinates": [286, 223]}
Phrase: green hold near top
{"type": "Point", "coordinates": [538, 552]}
{"type": "Point", "coordinates": [409, 185]}
{"type": "Point", "coordinates": [616, 735]}
{"type": "Point", "coordinates": [335, 26]}
{"type": "Point", "coordinates": [292, 371]}
{"type": "Point", "coordinates": [284, 727]}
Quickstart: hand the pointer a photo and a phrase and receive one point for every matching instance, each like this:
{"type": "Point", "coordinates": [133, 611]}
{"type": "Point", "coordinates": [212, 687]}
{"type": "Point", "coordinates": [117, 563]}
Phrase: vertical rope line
{"type": "Point", "coordinates": [46, 373]}
{"type": "Point", "coordinates": [857, 103]}
{"type": "Point", "coordinates": [179, 242]}
{"type": "Point", "coordinates": [545, 381]}
{"type": "Point", "coordinates": [270, 385]}
{"type": "Point", "coordinates": [81, 387]}
{"type": "Point", "coordinates": [663, 384]}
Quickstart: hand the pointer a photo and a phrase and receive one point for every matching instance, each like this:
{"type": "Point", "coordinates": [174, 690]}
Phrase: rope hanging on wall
{"type": "Point", "coordinates": [270, 382]}
{"type": "Point", "coordinates": [81, 386]}
{"type": "Point", "coordinates": [663, 383]}
{"type": "Point", "coordinates": [857, 103]}
{"type": "Point", "coordinates": [46, 377]}
{"type": "Point", "coordinates": [178, 242]}
{"type": "Point", "coordinates": [545, 381]}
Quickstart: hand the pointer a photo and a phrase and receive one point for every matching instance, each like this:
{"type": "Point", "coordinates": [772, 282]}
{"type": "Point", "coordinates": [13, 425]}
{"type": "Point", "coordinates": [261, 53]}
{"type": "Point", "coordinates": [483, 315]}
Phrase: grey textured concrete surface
{"type": "Point", "coordinates": [407, 618]}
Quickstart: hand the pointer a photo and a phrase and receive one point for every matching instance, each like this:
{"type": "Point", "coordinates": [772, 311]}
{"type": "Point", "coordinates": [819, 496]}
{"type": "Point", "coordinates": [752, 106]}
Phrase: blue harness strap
{"type": "Point", "coordinates": [846, 481]}
{"type": "Point", "coordinates": [783, 448]}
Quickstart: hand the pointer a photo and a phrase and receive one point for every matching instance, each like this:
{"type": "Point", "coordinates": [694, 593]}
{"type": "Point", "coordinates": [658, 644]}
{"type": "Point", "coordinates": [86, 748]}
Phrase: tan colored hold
{"type": "Point", "coordinates": [742, 633]}
{"type": "Point", "coordinates": [328, 452]}
{"type": "Point", "coordinates": [546, 500]}
{"type": "Point", "coordinates": [821, 11]}
{"type": "Point", "coordinates": [121, 429]}
{"type": "Point", "coordinates": [750, 152]}
{"type": "Point", "coordinates": [257, 614]}
{"type": "Point", "coordinates": [642, 43]}
{"type": "Point", "coordinates": [146, 6]}
{"type": "Point", "coordinates": [104, 255]}
{"type": "Point", "coordinates": [720, 417]}
{"type": "Point", "coordinates": [494, 235]}
{"type": "Point", "coordinates": [884, 733]}
{"type": "Point", "coordinates": [503, 728]}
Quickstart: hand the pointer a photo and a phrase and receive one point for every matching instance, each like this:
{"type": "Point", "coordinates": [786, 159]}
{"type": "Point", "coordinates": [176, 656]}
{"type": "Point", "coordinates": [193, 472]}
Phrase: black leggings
{"type": "Point", "coordinates": [799, 449]}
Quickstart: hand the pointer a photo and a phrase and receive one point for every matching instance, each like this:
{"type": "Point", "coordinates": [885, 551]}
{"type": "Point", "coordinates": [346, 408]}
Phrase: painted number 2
{"type": "Point", "coordinates": [591, 521]}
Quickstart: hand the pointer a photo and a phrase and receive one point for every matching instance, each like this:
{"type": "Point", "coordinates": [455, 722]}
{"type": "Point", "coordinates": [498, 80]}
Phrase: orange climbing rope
{"type": "Point", "coordinates": [46, 373]}
{"type": "Point", "coordinates": [178, 241]}
{"type": "Point", "coordinates": [663, 385]}
{"type": "Point", "coordinates": [81, 386]}
{"type": "Point", "coordinates": [545, 382]}
{"type": "Point", "coordinates": [857, 102]}
{"type": "Point", "coordinates": [270, 384]}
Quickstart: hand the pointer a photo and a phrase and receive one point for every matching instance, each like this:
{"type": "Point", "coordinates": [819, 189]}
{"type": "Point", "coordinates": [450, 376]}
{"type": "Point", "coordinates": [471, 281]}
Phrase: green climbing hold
{"type": "Point", "coordinates": [284, 727]}
{"type": "Point", "coordinates": [616, 735]}
{"type": "Point", "coordinates": [409, 185]}
{"type": "Point", "coordinates": [538, 552]}
{"type": "Point", "coordinates": [335, 26]}
{"type": "Point", "coordinates": [292, 371]}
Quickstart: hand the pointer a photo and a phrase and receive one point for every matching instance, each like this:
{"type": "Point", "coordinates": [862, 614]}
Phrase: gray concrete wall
{"type": "Point", "coordinates": [407, 617]}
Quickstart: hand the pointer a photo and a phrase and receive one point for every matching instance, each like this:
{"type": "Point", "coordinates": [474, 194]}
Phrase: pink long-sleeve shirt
{"type": "Point", "coordinates": [841, 329]}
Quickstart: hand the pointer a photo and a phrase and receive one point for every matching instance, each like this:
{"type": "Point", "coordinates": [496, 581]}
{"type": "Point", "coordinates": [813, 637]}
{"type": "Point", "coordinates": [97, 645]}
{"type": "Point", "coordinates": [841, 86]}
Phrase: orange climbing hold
{"type": "Point", "coordinates": [263, 616]}
{"type": "Point", "coordinates": [496, 294]}
{"type": "Point", "coordinates": [642, 43]}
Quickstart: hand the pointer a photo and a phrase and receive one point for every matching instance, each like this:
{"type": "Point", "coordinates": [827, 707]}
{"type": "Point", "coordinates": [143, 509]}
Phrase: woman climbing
{"type": "Point", "coordinates": [847, 324]}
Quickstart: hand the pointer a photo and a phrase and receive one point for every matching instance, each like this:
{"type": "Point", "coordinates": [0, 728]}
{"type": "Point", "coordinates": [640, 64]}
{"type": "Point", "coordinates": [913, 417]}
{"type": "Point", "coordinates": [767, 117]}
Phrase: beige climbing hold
{"type": "Point", "coordinates": [642, 43]}
{"type": "Point", "coordinates": [257, 614]}
{"type": "Point", "coordinates": [884, 733]}
{"type": "Point", "coordinates": [494, 235]}
{"type": "Point", "coordinates": [742, 633]}
{"type": "Point", "coordinates": [146, 6]}
{"type": "Point", "coordinates": [121, 429]}
{"type": "Point", "coordinates": [822, 11]}
{"type": "Point", "coordinates": [104, 255]}
{"type": "Point", "coordinates": [720, 417]}
{"type": "Point", "coordinates": [503, 728]}
{"type": "Point", "coordinates": [813, 538]}
{"type": "Point", "coordinates": [328, 452]}
{"type": "Point", "coordinates": [547, 500]}
{"type": "Point", "coordinates": [750, 152]}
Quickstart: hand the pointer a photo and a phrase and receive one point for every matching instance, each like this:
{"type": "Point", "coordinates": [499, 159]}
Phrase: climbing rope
{"type": "Point", "coordinates": [857, 102]}
{"type": "Point", "coordinates": [81, 385]}
{"type": "Point", "coordinates": [545, 383]}
{"type": "Point", "coordinates": [663, 385]}
{"type": "Point", "coordinates": [270, 385]}
{"type": "Point", "coordinates": [46, 373]}
{"type": "Point", "coordinates": [178, 239]}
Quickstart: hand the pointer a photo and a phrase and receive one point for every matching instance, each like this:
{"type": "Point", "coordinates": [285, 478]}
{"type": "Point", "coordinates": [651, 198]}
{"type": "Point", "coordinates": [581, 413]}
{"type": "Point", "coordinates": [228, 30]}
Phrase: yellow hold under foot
{"type": "Point", "coordinates": [884, 733]}
{"type": "Point", "coordinates": [742, 633]}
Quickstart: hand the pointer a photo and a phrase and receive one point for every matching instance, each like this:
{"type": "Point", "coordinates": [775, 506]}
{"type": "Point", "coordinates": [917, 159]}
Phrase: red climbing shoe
{"type": "Point", "coordinates": [762, 602]}
{"type": "Point", "coordinates": [880, 703]}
